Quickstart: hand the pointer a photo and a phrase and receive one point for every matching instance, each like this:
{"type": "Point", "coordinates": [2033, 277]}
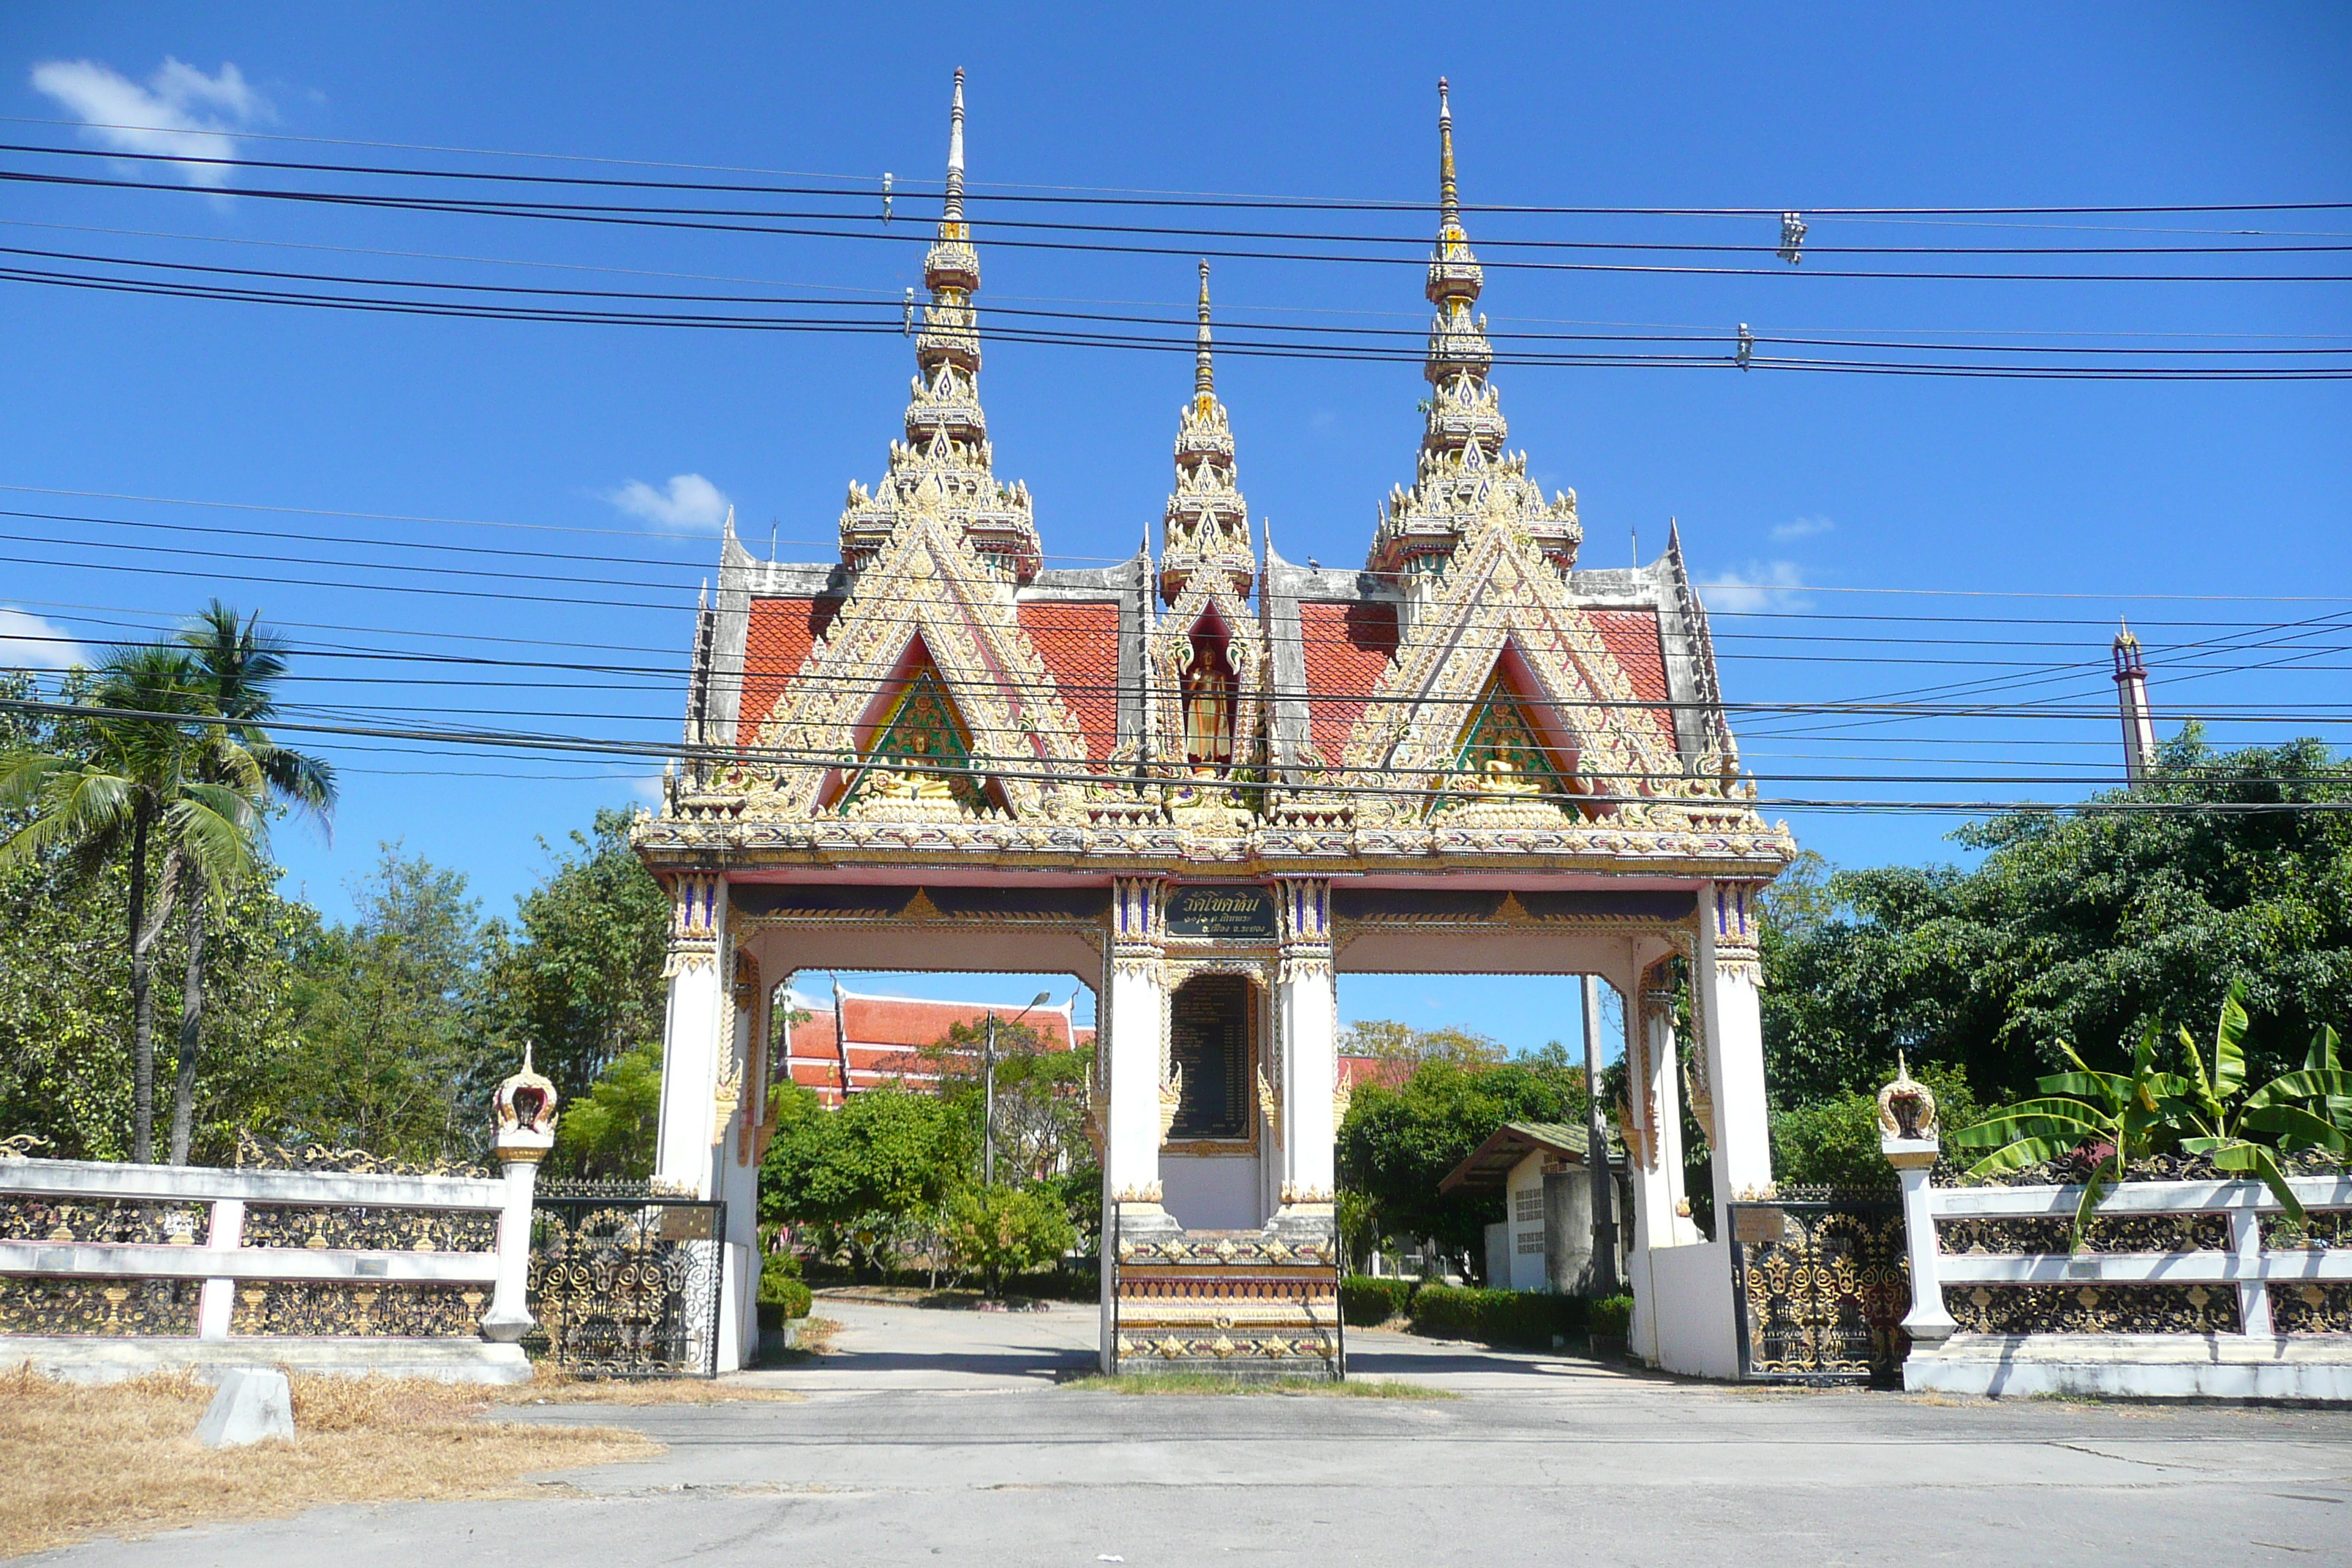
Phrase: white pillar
{"type": "Point", "coordinates": [1659, 1220]}
{"type": "Point", "coordinates": [695, 1027]}
{"type": "Point", "coordinates": [1653, 1079]}
{"type": "Point", "coordinates": [509, 1317]}
{"type": "Point", "coordinates": [1729, 982]}
{"type": "Point", "coordinates": [1306, 1005]}
{"type": "Point", "coordinates": [1908, 1138]}
{"type": "Point", "coordinates": [737, 1181]}
{"type": "Point", "coordinates": [1131, 1017]}
{"type": "Point", "coordinates": [217, 1299]}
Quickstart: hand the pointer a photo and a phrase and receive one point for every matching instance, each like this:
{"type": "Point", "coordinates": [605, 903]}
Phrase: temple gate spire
{"type": "Point", "coordinates": [945, 462]}
{"type": "Point", "coordinates": [1207, 523]}
{"type": "Point", "coordinates": [1462, 470]}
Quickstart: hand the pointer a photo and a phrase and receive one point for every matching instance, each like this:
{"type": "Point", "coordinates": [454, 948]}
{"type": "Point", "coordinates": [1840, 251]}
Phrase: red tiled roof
{"type": "Point", "coordinates": [1348, 648]}
{"type": "Point", "coordinates": [1079, 643]}
{"type": "Point", "coordinates": [1389, 1071]}
{"type": "Point", "coordinates": [776, 644]}
{"type": "Point", "coordinates": [1632, 638]}
{"type": "Point", "coordinates": [887, 1035]}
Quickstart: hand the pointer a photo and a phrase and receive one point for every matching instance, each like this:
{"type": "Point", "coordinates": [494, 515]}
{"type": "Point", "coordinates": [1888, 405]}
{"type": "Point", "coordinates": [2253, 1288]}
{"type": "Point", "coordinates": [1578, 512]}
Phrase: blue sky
{"type": "Point", "coordinates": [1839, 517]}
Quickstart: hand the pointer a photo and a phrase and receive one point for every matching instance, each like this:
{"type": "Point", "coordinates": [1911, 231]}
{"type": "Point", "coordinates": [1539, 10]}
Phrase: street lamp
{"type": "Point", "coordinates": [988, 1093]}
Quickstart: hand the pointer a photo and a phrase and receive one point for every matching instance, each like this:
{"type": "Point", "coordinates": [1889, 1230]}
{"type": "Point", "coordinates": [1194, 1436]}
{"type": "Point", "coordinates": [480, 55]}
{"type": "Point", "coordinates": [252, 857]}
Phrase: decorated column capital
{"type": "Point", "coordinates": [1138, 925]}
{"type": "Point", "coordinates": [1733, 908]}
{"type": "Point", "coordinates": [696, 900]}
{"type": "Point", "coordinates": [1304, 907]}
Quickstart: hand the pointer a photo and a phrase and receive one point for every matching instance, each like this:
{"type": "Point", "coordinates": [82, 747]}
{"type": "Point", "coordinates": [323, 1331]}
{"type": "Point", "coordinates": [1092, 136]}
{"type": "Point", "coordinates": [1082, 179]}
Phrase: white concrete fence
{"type": "Point", "coordinates": [2088, 1340]}
{"type": "Point", "coordinates": [346, 1305]}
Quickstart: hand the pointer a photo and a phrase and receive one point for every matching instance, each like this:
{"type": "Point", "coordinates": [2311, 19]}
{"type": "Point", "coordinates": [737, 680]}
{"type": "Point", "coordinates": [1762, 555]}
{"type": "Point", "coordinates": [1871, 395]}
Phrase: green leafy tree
{"type": "Point", "coordinates": [1393, 1041]}
{"type": "Point", "coordinates": [1006, 1230]}
{"type": "Point", "coordinates": [579, 976]}
{"type": "Point", "coordinates": [137, 775]}
{"type": "Point", "coordinates": [391, 1054]}
{"type": "Point", "coordinates": [616, 1129]}
{"type": "Point", "coordinates": [1397, 1144]}
{"type": "Point", "coordinates": [1041, 1095]}
{"type": "Point", "coordinates": [2078, 927]}
{"type": "Point", "coordinates": [883, 1165]}
{"type": "Point", "coordinates": [1833, 1141]}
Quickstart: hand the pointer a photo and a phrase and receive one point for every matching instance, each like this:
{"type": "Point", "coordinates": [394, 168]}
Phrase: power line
{"type": "Point", "coordinates": [863, 186]}
{"type": "Point", "coordinates": [724, 220]}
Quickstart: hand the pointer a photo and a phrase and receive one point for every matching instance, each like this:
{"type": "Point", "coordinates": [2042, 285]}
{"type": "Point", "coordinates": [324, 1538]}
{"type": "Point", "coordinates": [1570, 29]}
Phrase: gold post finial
{"type": "Point", "coordinates": [1448, 205]}
{"type": "Point", "coordinates": [954, 209]}
{"type": "Point", "coordinates": [1204, 376]}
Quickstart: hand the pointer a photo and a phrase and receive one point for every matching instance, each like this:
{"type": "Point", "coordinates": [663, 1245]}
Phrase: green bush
{"type": "Point", "coordinates": [781, 1284]}
{"type": "Point", "coordinates": [1368, 1302]}
{"type": "Point", "coordinates": [1497, 1317]}
{"type": "Point", "coordinates": [1611, 1315]}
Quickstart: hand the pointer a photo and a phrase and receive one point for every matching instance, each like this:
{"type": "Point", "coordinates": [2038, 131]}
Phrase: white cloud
{"type": "Point", "coordinates": [27, 640]}
{"type": "Point", "coordinates": [1802, 528]}
{"type": "Point", "coordinates": [691, 503]}
{"type": "Point", "coordinates": [1762, 587]}
{"type": "Point", "coordinates": [181, 112]}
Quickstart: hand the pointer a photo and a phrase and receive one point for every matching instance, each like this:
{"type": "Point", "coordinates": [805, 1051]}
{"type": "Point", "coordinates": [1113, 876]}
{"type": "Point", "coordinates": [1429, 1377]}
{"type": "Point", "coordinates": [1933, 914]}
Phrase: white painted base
{"type": "Point", "coordinates": [1690, 1311]}
{"type": "Point", "coordinates": [2136, 1367]}
{"type": "Point", "coordinates": [89, 1360]}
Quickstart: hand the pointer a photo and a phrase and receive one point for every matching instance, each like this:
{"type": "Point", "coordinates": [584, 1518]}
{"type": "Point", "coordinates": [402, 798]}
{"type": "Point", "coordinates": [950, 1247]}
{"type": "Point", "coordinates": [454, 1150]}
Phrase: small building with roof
{"type": "Point", "coordinates": [1543, 1240]}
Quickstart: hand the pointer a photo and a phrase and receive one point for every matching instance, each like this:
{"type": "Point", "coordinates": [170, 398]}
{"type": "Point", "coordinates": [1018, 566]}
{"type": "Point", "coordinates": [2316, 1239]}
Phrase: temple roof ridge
{"type": "Point", "coordinates": [946, 462]}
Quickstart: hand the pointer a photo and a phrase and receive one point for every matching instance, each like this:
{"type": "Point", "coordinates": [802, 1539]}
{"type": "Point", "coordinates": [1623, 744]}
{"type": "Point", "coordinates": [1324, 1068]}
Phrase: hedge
{"type": "Point", "coordinates": [1498, 1317]}
{"type": "Point", "coordinates": [1368, 1302]}
{"type": "Point", "coordinates": [1613, 1315]}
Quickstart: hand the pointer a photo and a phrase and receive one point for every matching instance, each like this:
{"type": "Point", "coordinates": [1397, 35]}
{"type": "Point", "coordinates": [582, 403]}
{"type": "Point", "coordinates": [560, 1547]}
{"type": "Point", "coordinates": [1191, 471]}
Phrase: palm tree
{"type": "Point", "coordinates": [236, 668]}
{"type": "Point", "coordinates": [138, 771]}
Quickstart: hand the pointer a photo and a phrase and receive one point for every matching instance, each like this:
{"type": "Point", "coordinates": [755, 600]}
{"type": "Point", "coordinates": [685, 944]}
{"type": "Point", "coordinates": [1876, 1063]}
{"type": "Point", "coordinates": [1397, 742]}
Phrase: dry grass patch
{"type": "Point", "coordinates": [556, 1388]}
{"type": "Point", "coordinates": [123, 1458]}
{"type": "Point", "coordinates": [1210, 1383]}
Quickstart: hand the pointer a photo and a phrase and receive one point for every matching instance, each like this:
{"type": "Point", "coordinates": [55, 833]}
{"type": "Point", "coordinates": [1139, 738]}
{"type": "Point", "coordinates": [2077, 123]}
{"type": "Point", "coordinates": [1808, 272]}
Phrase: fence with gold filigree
{"type": "Point", "coordinates": [94, 1249]}
{"type": "Point", "coordinates": [1821, 1286]}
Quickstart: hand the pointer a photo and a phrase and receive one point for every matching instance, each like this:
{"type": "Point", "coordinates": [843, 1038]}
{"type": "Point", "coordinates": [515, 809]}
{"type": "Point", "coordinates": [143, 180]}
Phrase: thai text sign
{"type": "Point", "coordinates": [1236, 913]}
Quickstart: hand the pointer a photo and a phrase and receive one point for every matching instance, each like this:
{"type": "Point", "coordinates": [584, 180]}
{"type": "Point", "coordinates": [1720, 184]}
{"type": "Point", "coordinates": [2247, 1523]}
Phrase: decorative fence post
{"type": "Point", "coordinates": [526, 1132]}
{"type": "Point", "coordinates": [1908, 1137]}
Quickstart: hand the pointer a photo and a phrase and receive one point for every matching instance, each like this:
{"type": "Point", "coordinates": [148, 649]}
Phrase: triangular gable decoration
{"type": "Point", "coordinates": [1501, 754]}
{"type": "Point", "coordinates": [920, 750]}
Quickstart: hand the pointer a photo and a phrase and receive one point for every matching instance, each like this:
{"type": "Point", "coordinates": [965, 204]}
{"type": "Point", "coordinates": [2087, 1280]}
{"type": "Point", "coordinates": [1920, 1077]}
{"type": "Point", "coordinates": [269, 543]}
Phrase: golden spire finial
{"type": "Point", "coordinates": [1204, 376]}
{"type": "Point", "coordinates": [953, 211]}
{"type": "Point", "coordinates": [1448, 203]}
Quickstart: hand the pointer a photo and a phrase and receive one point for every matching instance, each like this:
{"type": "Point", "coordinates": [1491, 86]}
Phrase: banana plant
{"type": "Point", "coordinates": [2207, 1122]}
{"type": "Point", "coordinates": [2083, 1108]}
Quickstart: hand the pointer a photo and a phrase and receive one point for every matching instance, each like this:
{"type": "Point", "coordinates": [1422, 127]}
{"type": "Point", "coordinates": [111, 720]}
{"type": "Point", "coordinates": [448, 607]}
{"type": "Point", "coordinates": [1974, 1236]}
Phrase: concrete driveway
{"type": "Point", "coordinates": [939, 1436]}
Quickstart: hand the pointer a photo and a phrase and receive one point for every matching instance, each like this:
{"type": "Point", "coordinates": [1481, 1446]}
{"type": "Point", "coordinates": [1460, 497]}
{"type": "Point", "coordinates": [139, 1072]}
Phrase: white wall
{"type": "Point", "coordinates": [1527, 1267]}
{"type": "Point", "coordinates": [1209, 1191]}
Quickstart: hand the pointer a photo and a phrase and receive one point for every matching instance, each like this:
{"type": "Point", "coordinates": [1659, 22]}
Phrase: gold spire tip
{"type": "Point", "coordinates": [1446, 198]}
{"type": "Point", "coordinates": [1204, 380]}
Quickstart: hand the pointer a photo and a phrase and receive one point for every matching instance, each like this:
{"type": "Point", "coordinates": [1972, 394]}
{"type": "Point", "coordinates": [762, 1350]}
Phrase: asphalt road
{"type": "Point", "coordinates": [937, 1436]}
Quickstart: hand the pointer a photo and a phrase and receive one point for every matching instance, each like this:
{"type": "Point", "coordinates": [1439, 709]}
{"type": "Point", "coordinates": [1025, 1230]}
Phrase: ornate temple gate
{"type": "Point", "coordinates": [1823, 1283]}
{"type": "Point", "coordinates": [1206, 781]}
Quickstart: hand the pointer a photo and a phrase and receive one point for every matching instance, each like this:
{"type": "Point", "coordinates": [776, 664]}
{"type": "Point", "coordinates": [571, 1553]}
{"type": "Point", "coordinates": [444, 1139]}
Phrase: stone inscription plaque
{"type": "Point", "coordinates": [1239, 913]}
{"type": "Point", "coordinates": [1208, 1038]}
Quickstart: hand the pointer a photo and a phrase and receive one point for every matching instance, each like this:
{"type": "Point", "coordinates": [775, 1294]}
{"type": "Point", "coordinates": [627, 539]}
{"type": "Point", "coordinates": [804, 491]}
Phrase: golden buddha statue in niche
{"type": "Point", "coordinates": [1500, 776]}
{"type": "Point", "coordinates": [1208, 709]}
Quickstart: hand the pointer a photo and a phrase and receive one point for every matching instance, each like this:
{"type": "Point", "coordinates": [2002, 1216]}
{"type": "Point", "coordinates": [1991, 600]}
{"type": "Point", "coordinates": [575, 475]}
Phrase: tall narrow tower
{"type": "Point", "coordinates": [2131, 697]}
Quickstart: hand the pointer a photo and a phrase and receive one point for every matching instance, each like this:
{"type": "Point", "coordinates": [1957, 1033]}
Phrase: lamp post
{"type": "Point", "coordinates": [988, 1090]}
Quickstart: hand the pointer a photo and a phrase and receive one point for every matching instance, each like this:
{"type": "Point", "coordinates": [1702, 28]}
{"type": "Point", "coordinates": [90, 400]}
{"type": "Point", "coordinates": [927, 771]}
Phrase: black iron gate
{"type": "Point", "coordinates": [624, 1283]}
{"type": "Point", "coordinates": [1820, 1285]}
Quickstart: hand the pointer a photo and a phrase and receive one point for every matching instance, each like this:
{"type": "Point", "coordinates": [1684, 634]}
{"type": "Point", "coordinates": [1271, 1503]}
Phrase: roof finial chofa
{"type": "Point", "coordinates": [955, 152]}
{"type": "Point", "coordinates": [1204, 376]}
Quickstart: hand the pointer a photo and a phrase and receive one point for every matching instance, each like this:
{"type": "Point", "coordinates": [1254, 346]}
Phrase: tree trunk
{"type": "Point", "coordinates": [192, 1011]}
{"type": "Point", "coordinates": [142, 1005]}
